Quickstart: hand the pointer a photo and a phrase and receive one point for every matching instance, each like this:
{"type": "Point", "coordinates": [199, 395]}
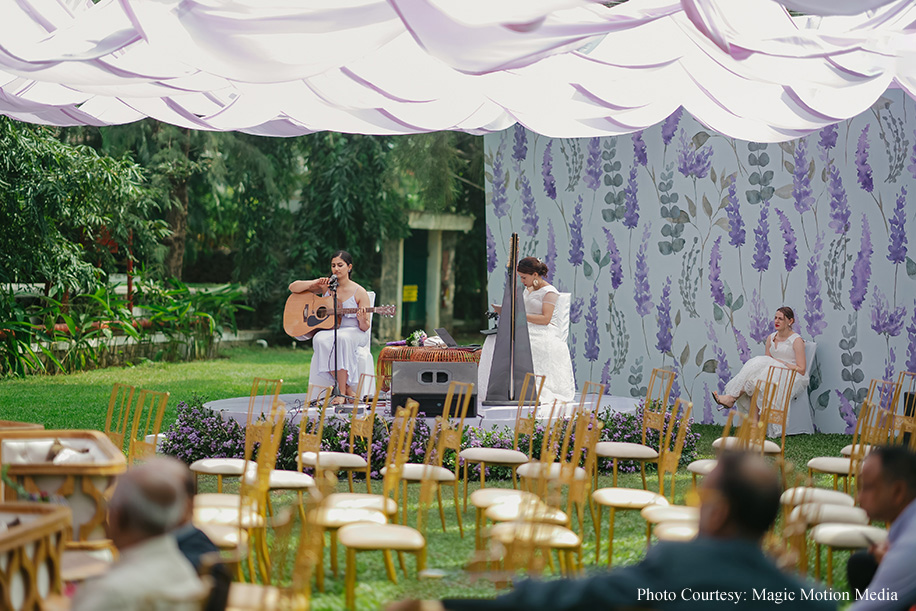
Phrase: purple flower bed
{"type": "Point", "coordinates": [200, 432]}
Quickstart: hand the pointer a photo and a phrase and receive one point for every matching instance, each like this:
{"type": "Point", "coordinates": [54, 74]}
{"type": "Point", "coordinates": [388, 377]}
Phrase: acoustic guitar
{"type": "Point", "coordinates": [308, 312]}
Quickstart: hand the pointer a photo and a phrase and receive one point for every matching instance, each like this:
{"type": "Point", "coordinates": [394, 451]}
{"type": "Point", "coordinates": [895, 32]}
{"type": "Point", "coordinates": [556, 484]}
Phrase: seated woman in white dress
{"type": "Point", "coordinates": [549, 353]}
{"type": "Point", "coordinates": [350, 331]}
{"type": "Point", "coordinates": [784, 348]}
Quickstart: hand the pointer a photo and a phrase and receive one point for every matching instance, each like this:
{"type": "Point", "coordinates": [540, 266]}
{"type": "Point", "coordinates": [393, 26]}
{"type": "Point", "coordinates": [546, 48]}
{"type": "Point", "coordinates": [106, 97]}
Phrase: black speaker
{"type": "Point", "coordinates": [427, 384]}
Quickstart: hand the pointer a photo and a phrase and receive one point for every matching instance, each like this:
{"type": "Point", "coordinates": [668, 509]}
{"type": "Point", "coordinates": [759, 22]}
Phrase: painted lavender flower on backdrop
{"type": "Point", "coordinates": [658, 230]}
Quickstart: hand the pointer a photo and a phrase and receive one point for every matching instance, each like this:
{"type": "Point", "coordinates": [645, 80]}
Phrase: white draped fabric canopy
{"type": "Point", "coordinates": [562, 68]}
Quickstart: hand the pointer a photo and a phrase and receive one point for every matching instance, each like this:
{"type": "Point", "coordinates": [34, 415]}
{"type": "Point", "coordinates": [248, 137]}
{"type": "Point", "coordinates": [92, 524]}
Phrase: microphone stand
{"type": "Point", "coordinates": [335, 392]}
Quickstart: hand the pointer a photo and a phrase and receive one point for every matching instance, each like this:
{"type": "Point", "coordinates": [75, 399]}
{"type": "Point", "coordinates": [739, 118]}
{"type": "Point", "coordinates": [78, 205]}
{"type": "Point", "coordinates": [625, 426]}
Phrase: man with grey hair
{"type": "Point", "coordinates": [146, 505]}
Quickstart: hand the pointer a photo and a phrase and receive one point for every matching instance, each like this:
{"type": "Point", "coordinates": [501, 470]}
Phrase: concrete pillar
{"type": "Point", "coordinates": [447, 294]}
{"type": "Point", "coordinates": [433, 280]}
{"type": "Point", "coordinates": [391, 290]}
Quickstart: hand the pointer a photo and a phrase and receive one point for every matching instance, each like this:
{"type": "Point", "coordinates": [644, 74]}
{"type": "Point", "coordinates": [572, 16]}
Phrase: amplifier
{"type": "Point", "coordinates": [427, 384]}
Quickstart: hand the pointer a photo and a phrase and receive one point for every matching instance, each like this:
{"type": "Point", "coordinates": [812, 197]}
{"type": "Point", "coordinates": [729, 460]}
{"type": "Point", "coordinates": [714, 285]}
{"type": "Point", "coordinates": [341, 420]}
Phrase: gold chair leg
{"type": "Point", "coordinates": [441, 510]}
{"type": "Point", "coordinates": [515, 477]}
{"type": "Point", "coordinates": [350, 480]}
{"type": "Point", "coordinates": [350, 580]}
{"type": "Point", "coordinates": [219, 483]}
{"type": "Point", "coordinates": [333, 536]}
{"type": "Point", "coordinates": [817, 562]}
{"type": "Point", "coordinates": [402, 564]}
{"type": "Point", "coordinates": [319, 565]}
{"type": "Point", "coordinates": [642, 471]}
{"type": "Point", "coordinates": [610, 542]}
{"type": "Point", "coordinates": [421, 560]}
{"type": "Point", "coordinates": [829, 579]}
{"type": "Point", "coordinates": [389, 566]}
{"type": "Point", "coordinates": [614, 469]}
{"type": "Point", "coordinates": [369, 479]}
{"type": "Point", "coordinates": [466, 467]}
{"type": "Point", "coordinates": [404, 503]}
{"type": "Point", "coordinates": [458, 512]}
{"type": "Point", "coordinates": [648, 533]}
{"type": "Point", "coordinates": [597, 522]}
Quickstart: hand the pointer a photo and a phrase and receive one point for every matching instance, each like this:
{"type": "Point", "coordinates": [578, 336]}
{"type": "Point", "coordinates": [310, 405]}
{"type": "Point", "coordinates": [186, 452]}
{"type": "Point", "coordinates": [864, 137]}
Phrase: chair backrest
{"type": "Point", "coordinates": [872, 429]}
{"type": "Point", "coordinates": [882, 394]}
{"type": "Point", "coordinates": [529, 399]}
{"type": "Point", "coordinates": [150, 404]}
{"type": "Point", "coordinates": [670, 456]}
{"type": "Point", "coordinates": [657, 395]}
{"type": "Point", "coordinates": [457, 400]}
{"type": "Point", "coordinates": [122, 398]}
{"type": "Point", "coordinates": [311, 431]}
{"type": "Point", "coordinates": [363, 427]}
{"type": "Point", "coordinates": [784, 379]}
{"type": "Point", "coordinates": [561, 312]}
{"type": "Point", "coordinates": [264, 399]}
{"type": "Point", "coordinates": [590, 397]}
{"type": "Point", "coordinates": [400, 438]}
{"type": "Point", "coordinates": [905, 410]}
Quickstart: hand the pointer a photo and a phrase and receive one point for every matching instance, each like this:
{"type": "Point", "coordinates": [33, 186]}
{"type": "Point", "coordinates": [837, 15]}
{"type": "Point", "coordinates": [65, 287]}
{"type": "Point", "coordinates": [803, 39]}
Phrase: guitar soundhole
{"type": "Point", "coordinates": [321, 312]}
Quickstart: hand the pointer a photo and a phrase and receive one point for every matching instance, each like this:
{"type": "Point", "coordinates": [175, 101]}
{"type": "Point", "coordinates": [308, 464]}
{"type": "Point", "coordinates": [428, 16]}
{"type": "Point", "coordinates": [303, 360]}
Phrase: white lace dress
{"type": "Point", "coordinates": [756, 369]}
{"type": "Point", "coordinates": [549, 353]}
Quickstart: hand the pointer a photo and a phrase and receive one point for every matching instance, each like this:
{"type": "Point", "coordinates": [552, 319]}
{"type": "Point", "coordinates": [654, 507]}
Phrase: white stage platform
{"type": "Point", "coordinates": [495, 416]}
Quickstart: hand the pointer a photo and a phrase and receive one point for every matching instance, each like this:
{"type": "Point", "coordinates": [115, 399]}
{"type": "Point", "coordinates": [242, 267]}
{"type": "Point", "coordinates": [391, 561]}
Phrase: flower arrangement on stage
{"type": "Point", "coordinates": [416, 339]}
{"type": "Point", "coordinates": [200, 432]}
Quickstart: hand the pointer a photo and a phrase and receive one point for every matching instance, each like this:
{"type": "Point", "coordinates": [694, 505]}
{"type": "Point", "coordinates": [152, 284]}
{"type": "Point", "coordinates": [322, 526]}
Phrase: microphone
{"type": "Point", "coordinates": [332, 281]}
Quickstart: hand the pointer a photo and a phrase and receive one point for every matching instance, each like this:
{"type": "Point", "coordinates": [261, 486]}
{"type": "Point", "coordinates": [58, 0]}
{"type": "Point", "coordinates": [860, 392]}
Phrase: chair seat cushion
{"type": "Point", "coordinates": [230, 516]}
{"type": "Point", "coordinates": [334, 460]}
{"type": "Point", "coordinates": [730, 443]}
{"type": "Point", "coordinates": [287, 480]}
{"type": "Point", "coordinates": [549, 535]}
{"type": "Point", "coordinates": [847, 450]}
{"type": "Point", "coordinates": [485, 497]}
{"type": "Point", "coordinates": [818, 513]}
{"type": "Point", "coordinates": [335, 517]}
{"type": "Point", "coordinates": [655, 514]}
{"type": "Point", "coordinates": [252, 597]}
{"type": "Point", "coordinates": [627, 498]}
{"type": "Point", "coordinates": [494, 456]}
{"type": "Point", "coordinates": [223, 536]}
{"type": "Point", "coordinates": [836, 465]}
{"type": "Point", "coordinates": [676, 531]}
{"type": "Point", "coordinates": [216, 499]}
{"type": "Point", "coordinates": [526, 512]}
{"type": "Point", "coordinates": [809, 494]}
{"type": "Point", "coordinates": [415, 472]}
{"type": "Point", "coordinates": [703, 466]}
{"type": "Point", "coordinates": [847, 536]}
{"type": "Point", "coordinates": [548, 470]}
{"type": "Point", "coordinates": [361, 500]}
{"type": "Point", "coordinates": [381, 536]}
{"type": "Point", "coordinates": [624, 450]}
{"type": "Point", "coordinates": [220, 466]}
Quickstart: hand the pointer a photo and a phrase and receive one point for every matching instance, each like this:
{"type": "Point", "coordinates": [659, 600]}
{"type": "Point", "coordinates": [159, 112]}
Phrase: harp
{"type": "Point", "coordinates": [512, 353]}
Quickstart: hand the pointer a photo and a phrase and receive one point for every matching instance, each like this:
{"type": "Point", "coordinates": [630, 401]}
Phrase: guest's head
{"type": "Point", "coordinates": [739, 498]}
{"type": "Point", "coordinates": [147, 502]}
{"type": "Point", "coordinates": [184, 477]}
{"type": "Point", "coordinates": [784, 318]}
{"type": "Point", "coordinates": [887, 482]}
{"type": "Point", "coordinates": [531, 271]}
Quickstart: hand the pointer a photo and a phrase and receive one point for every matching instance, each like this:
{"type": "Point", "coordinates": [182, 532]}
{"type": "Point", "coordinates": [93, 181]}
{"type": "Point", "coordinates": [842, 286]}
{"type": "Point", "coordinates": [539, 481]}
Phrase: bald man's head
{"type": "Point", "coordinates": [742, 496]}
{"type": "Point", "coordinates": [148, 501]}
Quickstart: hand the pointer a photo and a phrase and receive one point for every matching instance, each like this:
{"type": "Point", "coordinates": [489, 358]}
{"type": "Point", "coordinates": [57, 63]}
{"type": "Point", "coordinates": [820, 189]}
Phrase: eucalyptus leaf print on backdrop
{"type": "Point", "coordinates": [762, 242]}
{"type": "Point", "coordinates": [664, 335]}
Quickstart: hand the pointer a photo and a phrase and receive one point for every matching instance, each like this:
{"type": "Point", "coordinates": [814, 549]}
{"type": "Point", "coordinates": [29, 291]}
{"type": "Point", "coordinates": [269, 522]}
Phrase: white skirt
{"type": "Point", "coordinates": [755, 370]}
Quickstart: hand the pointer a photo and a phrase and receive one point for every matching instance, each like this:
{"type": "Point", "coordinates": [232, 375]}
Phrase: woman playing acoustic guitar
{"type": "Point", "coordinates": [351, 332]}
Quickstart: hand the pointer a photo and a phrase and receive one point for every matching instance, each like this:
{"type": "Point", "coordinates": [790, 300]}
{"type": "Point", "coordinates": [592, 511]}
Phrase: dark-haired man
{"type": "Point", "coordinates": [723, 568]}
{"type": "Point", "coordinates": [882, 578]}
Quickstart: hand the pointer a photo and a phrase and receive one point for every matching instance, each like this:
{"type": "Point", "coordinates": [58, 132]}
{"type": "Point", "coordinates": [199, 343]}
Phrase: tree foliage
{"type": "Point", "coordinates": [65, 210]}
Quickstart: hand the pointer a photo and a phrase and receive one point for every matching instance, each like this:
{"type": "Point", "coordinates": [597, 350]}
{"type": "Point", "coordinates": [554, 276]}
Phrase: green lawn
{"type": "Point", "coordinates": [80, 401]}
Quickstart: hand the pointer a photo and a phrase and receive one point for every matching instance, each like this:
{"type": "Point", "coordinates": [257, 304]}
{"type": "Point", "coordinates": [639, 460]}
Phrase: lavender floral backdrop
{"type": "Point", "coordinates": [678, 244]}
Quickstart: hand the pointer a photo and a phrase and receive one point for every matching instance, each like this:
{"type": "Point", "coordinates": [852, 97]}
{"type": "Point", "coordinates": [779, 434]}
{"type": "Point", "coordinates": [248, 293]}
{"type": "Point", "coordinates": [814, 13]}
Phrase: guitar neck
{"type": "Point", "coordinates": [341, 311]}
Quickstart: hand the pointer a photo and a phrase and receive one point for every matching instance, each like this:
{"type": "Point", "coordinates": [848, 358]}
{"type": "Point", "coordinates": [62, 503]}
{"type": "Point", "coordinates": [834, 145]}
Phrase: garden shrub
{"type": "Point", "coordinates": [200, 432]}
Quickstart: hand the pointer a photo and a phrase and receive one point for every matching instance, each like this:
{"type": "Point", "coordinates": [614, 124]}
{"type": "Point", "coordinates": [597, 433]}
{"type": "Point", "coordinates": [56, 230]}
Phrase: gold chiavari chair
{"type": "Point", "coordinates": [248, 510]}
{"type": "Point", "coordinates": [624, 499]}
{"type": "Point", "coordinates": [362, 428]}
{"type": "Point", "coordinates": [143, 441]}
{"type": "Point", "coordinates": [904, 430]}
{"type": "Point", "coordinates": [449, 438]}
{"type": "Point", "coordinates": [263, 400]}
{"type": "Point", "coordinates": [339, 509]}
{"type": "Point", "coordinates": [528, 400]}
{"type": "Point", "coordinates": [119, 406]}
{"type": "Point", "coordinates": [361, 537]}
{"type": "Point", "coordinates": [654, 410]}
